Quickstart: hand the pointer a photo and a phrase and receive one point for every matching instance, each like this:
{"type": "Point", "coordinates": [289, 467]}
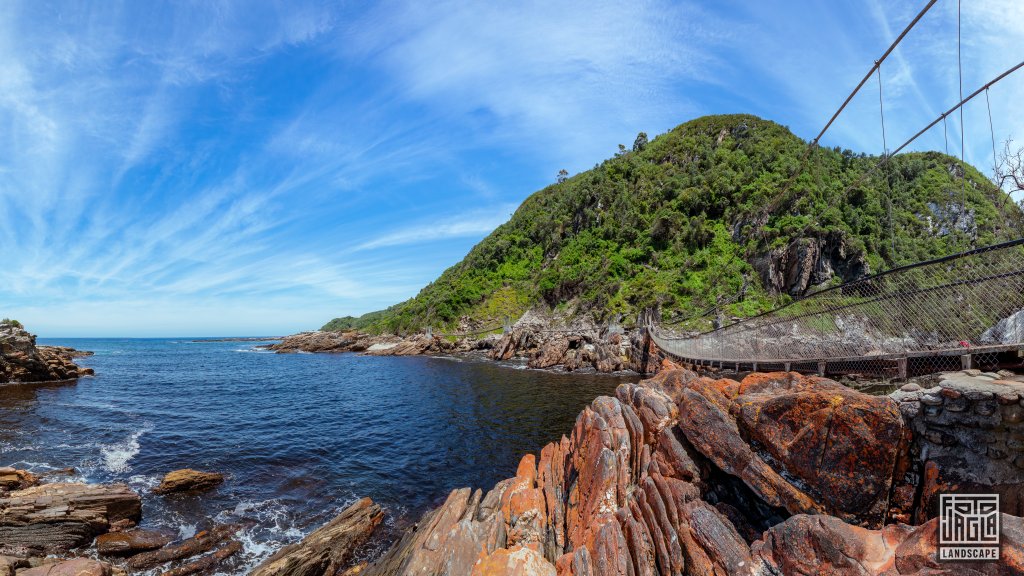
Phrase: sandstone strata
{"type": "Point", "coordinates": [683, 474]}
{"type": "Point", "coordinates": [58, 517]}
{"type": "Point", "coordinates": [22, 361]}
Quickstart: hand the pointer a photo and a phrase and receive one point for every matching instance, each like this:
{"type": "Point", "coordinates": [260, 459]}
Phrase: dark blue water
{"type": "Point", "coordinates": [299, 436]}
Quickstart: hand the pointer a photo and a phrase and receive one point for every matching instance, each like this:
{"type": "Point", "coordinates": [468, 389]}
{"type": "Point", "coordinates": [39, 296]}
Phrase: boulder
{"type": "Point", "coordinates": [840, 445]}
{"type": "Point", "coordinates": [805, 444]}
{"type": "Point", "coordinates": [13, 479]}
{"type": "Point", "coordinates": [916, 554]}
{"type": "Point", "coordinates": [188, 480]}
{"type": "Point", "coordinates": [74, 567]}
{"type": "Point", "coordinates": [131, 542]}
{"type": "Point", "coordinates": [806, 545]}
{"type": "Point", "coordinates": [811, 545]}
{"type": "Point", "coordinates": [705, 421]}
{"type": "Point", "coordinates": [57, 517]}
{"type": "Point", "coordinates": [327, 549]}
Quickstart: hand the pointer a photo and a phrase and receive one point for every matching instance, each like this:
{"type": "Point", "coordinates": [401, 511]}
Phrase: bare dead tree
{"type": "Point", "coordinates": [1009, 177]}
{"type": "Point", "coordinates": [1010, 168]}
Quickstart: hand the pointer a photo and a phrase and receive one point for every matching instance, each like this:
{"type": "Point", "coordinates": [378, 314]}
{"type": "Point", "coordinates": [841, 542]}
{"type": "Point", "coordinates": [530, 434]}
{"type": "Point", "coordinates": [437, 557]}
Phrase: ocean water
{"type": "Point", "coordinates": [299, 436]}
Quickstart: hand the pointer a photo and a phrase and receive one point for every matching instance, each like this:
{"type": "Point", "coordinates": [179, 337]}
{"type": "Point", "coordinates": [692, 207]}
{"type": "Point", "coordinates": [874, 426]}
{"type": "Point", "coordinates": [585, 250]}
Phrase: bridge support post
{"type": "Point", "coordinates": [787, 366]}
{"type": "Point", "coordinates": [821, 368]}
{"type": "Point", "coordinates": [901, 368]}
{"type": "Point", "coordinates": [737, 367]}
{"type": "Point", "coordinates": [755, 367]}
{"type": "Point", "coordinates": [965, 362]}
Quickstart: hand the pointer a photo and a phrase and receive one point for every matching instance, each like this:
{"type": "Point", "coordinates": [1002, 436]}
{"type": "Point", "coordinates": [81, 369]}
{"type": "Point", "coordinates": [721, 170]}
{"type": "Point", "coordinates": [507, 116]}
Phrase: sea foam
{"type": "Point", "coordinates": [117, 456]}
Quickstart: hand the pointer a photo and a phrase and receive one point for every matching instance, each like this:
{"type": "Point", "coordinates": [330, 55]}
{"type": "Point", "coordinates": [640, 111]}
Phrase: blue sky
{"type": "Point", "coordinates": [242, 167]}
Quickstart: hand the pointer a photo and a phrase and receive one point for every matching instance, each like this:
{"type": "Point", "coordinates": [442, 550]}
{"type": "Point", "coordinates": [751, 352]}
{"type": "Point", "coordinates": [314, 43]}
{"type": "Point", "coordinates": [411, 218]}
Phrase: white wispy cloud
{"type": "Point", "coordinates": [565, 76]}
{"type": "Point", "coordinates": [475, 223]}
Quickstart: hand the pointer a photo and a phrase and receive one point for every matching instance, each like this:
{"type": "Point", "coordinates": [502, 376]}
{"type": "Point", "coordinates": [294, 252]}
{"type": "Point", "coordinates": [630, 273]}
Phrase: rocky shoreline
{"type": "Point", "coordinates": [76, 529]}
{"type": "Point", "coordinates": [536, 339]}
{"type": "Point", "coordinates": [22, 361]}
{"type": "Point", "coordinates": [774, 474]}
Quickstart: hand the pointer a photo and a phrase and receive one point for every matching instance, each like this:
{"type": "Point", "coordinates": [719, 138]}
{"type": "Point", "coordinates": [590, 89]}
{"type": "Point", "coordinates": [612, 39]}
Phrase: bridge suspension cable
{"type": "Point", "coordinates": [960, 77]}
{"type": "Point", "coordinates": [771, 206]}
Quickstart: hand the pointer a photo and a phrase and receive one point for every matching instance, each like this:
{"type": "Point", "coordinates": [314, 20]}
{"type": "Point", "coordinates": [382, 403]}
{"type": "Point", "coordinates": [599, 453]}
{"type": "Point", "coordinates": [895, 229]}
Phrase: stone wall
{"type": "Point", "coordinates": [967, 434]}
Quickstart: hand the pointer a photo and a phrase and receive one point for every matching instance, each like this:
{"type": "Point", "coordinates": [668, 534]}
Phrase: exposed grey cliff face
{"type": "Point", "coordinates": [808, 262]}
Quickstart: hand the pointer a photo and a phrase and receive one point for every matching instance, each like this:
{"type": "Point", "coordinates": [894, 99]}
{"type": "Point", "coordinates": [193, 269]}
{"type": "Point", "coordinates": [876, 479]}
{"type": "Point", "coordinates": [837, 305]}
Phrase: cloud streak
{"type": "Point", "coordinates": [470, 225]}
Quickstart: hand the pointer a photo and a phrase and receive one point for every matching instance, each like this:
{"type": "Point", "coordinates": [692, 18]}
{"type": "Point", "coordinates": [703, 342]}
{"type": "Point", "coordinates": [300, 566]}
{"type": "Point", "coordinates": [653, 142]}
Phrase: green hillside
{"type": "Point", "coordinates": [692, 218]}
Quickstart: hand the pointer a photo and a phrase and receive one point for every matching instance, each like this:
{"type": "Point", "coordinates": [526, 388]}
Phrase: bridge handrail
{"type": "Point", "coordinates": [970, 300]}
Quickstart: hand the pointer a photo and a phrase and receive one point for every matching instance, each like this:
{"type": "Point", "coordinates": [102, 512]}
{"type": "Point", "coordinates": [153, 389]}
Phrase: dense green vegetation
{"type": "Point", "coordinates": [679, 222]}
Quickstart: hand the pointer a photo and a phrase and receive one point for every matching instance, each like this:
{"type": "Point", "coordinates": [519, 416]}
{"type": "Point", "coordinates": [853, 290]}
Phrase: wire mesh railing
{"type": "Point", "coordinates": [943, 309]}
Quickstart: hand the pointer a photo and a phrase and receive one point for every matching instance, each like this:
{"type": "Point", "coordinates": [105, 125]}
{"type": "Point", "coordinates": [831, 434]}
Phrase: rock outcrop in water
{"type": "Point", "coordinates": [188, 480]}
{"type": "Point", "coordinates": [683, 474]}
{"type": "Point", "coordinates": [61, 516]}
{"type": "Point", "coordinates": [131, 542]}
{"type": "Point", "coordinates": [542, 349]}
{"type": "Point", "coordinates": [22, 361]}
{"type": "Point", "coordinates": [327, 549]}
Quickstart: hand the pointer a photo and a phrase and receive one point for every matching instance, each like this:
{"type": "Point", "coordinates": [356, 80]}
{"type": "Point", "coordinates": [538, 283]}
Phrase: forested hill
{"type": "Point", "coordinates": [697, 216]}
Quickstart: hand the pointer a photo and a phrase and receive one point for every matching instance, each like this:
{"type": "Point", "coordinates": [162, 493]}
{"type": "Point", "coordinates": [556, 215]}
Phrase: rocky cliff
{"type": "Point", "coordinates": [21, 360]}
{"type": "Point", "coordinates": [683, 474]}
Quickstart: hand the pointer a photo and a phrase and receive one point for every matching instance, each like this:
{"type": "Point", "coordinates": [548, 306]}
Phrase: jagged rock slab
{"type": "Point", "coordinates": [202, 542]}
{"type": "Point", "coordinates": [327, 549]}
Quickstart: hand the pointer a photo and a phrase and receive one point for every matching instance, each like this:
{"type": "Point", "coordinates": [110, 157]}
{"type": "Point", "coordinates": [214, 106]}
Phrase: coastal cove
{"type": "Point", "coordinates": [299, 436]}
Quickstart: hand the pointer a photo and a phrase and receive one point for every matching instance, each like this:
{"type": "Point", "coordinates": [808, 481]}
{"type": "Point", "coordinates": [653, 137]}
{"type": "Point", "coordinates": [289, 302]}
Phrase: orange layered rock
{"type": "Point", "coordinates": [683, 474]}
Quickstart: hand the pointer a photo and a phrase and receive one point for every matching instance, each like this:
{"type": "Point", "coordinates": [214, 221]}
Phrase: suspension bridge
{"type": "Point", "coordinates": [961, 311]}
